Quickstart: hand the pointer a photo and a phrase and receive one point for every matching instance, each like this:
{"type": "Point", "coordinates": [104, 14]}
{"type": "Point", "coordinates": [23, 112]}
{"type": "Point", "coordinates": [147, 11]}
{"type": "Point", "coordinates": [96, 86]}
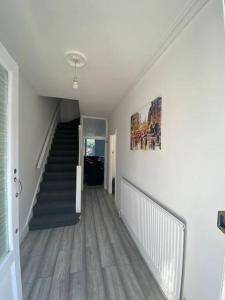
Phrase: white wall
{"type": "Point", "coordinates": [188, 175]}
{"type": "Point", "coordinates": [35, 115]}
{"type": "Point", "coordinates": [69, 110]}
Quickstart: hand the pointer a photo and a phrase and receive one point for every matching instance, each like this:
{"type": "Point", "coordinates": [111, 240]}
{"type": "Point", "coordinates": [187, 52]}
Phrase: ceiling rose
{"type": "Point", "coordinates": [75, 58]}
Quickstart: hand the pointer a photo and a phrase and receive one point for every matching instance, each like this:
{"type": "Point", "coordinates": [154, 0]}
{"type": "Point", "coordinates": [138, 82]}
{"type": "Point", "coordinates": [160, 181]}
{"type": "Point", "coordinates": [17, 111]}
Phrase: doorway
{"type": "Point", "coordinates": [10, 276]}
{"type": "Point", "coordinates": [94, 161]}
{"type": "Point", "coordinates": [93, 135]}
{"type": "Point", "coordinates": [112, 165]}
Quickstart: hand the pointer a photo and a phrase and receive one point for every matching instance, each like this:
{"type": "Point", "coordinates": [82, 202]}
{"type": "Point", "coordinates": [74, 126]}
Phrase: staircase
{"type": "Point", "coordinates": [55, 205]}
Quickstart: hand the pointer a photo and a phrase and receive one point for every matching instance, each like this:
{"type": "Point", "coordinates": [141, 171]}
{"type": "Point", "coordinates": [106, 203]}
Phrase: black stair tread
{"type": "Point", "coordinates": [56, 176]}
{"type": "Point", "coordinates": [67, 128]}
{"type": "Point", "coordinates": [62, 159]}
{"type": "Point", "coordinates": [60, 141]}
{"type": "Point", "coordinates": [68, 153]}
{"type": "Point", "coordinates": [66, 131]}
{"type": "Point", "coordinates": [64, 147]}
{"type": "Point", "coordinates": [66, 135]}
{"type": "Point", "coordinates": [63, 142]}
{"type": "Point", "coordinates": [53, 221]}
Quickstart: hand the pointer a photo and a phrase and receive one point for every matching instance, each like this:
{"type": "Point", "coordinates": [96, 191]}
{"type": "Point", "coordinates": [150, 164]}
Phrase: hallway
{"type": "Point", "coordinates": [95, 259]}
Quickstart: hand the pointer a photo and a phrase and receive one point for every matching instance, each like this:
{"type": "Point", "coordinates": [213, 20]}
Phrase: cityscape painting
{"type": "Point", "coordinates": [145, 130]}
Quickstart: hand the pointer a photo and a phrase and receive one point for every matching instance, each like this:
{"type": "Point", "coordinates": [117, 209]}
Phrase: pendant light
{"type": "Point", "coordinates": [75, 59]}
{"type": "Point", "coordinates": [75, 80]}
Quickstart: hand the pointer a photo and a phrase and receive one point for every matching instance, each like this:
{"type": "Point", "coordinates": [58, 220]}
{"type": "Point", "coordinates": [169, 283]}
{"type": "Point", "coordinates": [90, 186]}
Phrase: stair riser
{"type": "Point", "coordinates": [53, 224]}
{"type": "Point", "coordinates": [45, 187]}
{"type": "Point", "coordinates": [38, 211]}
{"type": "Point", "coordinates": [51, 197]}
{"type": "Point", "coordinates": [60, 168]}
{"type": "Point", "coordinates": [59, 177]}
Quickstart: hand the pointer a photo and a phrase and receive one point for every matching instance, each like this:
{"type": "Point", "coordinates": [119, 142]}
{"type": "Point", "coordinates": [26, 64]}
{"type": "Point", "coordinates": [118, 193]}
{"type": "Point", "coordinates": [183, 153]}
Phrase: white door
{"type": "Point", "coordinates": [10, 276]}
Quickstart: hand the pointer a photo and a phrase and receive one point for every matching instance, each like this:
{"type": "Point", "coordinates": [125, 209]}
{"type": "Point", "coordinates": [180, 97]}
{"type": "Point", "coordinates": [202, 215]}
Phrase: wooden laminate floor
{"type": "Point", "coordinates": [95, 259]}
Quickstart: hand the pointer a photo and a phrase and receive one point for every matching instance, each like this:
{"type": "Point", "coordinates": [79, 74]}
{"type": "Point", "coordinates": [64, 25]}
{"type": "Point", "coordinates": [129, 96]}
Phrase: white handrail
{"type": "Point", "coordinates": [48, 139]}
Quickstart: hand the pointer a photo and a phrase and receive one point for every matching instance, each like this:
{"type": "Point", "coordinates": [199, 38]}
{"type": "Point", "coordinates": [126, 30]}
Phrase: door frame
{"type": "Point", "coordinates": [110, 177]}
{"type": "Point", "coordinates": [11, 262]}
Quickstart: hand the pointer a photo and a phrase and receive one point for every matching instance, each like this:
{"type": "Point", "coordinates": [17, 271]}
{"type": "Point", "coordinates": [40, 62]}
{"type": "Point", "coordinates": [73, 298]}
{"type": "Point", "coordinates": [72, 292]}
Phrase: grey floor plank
{"type": "Point", "coordinates": [27, 288]}
{"type": "Point", "coordinates": [92, 258]}
{"type": "Point", "coordinates": [54, 241]}
{"type": "Point", "coordinates": [67, 241]}
{"type": "Point", "coordinates": [104, 246]}
{"type": "Point", "coordinates": [130, 283]}
{"type": "Point", "coordinates": [28, 243]}
{"type": "Point", "coordinates": [77, 287]}
{"type": "Point", "coordinates": [38, 267]}
{"type": "Point", "coordinates": [60, 287]}
{"type": "Point", "coordinates": [68, 262]}
{"type": "Point", "coordinates": [120, 254]}
{"type": "Point", "coordinates": [95, 285]}
{"type": "Point", "coordinates": [77, 262]}
{"type": "Point", "coordinates": [41, 243]}
{"type": "Point", "coordinates": [41, 289]}
{"type": "Point", "coordinates": [146, 281]}
{"type": "Point", "coordinates": [109, 223]}
{"type": "Point", "coordinates": [114, 285]}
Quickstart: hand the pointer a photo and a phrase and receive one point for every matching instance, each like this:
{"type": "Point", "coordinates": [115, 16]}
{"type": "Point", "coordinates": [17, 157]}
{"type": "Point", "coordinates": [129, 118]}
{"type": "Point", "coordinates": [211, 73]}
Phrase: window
{"type": "Point", "coordinates": [94, 127]}
{"type": "Point", "coordinates": [94, 147]}
{"type": "Point", "coordinates": [89, 147]}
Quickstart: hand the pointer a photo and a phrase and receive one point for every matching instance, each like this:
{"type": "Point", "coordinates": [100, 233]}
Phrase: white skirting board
{"type": "Point", "coordinates": [159, 236]}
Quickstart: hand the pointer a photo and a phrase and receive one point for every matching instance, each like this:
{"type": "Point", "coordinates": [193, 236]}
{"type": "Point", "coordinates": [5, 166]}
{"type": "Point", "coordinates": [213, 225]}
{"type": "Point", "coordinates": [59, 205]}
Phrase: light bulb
{"type": "Point", "coordinates": [75, 84]}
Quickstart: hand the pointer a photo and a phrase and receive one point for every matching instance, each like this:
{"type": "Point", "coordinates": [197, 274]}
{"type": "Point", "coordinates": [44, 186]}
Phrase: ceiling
{"type": "Point", "coordinates": [118, 37]}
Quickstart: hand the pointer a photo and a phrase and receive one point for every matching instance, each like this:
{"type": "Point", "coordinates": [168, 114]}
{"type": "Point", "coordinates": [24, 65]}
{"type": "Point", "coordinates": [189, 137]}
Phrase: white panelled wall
{"type": "Point", "coordinates": [187, 175]}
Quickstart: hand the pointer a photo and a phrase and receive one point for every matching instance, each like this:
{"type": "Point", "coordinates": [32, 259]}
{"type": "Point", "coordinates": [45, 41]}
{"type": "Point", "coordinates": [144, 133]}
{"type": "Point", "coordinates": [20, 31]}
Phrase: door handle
{"type": "Point", "coordinates": [20, 186]}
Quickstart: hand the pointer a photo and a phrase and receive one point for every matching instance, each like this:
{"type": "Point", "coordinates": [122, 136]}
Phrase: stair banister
{"type": "Point", "coordinates": [78, 190]}
{"type": "Point", "coordinates": [48, 139]}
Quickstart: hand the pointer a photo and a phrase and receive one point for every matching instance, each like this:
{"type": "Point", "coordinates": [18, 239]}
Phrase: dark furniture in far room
{"type": "Point", "coordinates": [93, 170]}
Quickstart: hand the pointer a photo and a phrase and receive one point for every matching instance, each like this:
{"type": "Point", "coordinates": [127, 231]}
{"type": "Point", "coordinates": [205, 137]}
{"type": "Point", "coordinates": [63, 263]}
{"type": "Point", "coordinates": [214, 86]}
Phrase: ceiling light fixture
{"type": "Point", "coordinates": [77, 60]}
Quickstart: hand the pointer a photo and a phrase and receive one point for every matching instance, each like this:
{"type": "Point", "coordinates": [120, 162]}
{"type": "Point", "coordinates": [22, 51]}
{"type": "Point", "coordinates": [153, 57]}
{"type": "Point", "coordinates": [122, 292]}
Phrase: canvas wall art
{"type": "Point", "coordinates": [145, 130]}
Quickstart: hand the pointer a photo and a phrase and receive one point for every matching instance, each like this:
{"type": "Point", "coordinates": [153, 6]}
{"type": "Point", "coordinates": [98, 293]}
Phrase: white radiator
{"type": "Point", "coordinates": [159, 236]}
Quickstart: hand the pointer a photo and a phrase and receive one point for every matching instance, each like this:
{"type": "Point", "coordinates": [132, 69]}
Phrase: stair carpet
{"type": "Point", "coordinates": [55, 206]}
